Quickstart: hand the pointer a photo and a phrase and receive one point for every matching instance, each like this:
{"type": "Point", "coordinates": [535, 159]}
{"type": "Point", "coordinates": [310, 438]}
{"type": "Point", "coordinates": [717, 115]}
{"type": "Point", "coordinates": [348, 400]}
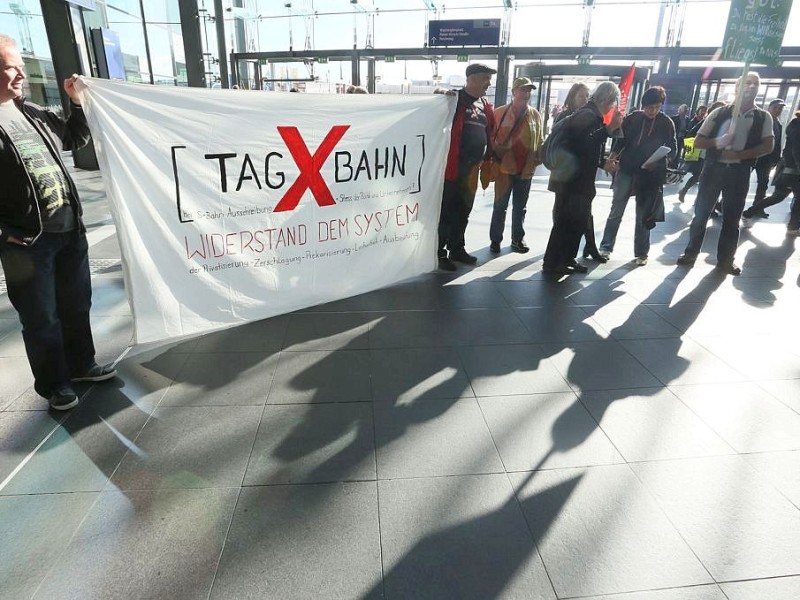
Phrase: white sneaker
{"type": "Point", "coordinates": [641, 261]}
{"type": "Point", "coordinates": [747, 222]}
{"type": "Point", "coordinates": [605, 254]}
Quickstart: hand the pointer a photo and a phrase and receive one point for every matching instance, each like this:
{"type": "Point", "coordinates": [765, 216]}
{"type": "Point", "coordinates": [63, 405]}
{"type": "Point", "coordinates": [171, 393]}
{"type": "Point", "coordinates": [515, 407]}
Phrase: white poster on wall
{"type": "Point", "coordinates": [234, 205]}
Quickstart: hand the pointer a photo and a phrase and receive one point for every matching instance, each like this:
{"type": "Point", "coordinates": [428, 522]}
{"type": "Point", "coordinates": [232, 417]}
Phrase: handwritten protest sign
{"type": "Point", "coordinates": [233, 206]}
{"type": "Point", "coordinates": [755, 29]}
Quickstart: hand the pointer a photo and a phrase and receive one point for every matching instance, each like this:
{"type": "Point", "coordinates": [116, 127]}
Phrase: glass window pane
{"type": "Point", "coordinates": [529, 26]}
{"type": "Point", "coordinates": [608, 17]}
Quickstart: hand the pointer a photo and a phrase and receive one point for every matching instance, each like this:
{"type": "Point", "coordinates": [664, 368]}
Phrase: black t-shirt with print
{"type": "Point", "coordinates": [46, 174]}
{"type": "Point", "coordinates": [473, 135]}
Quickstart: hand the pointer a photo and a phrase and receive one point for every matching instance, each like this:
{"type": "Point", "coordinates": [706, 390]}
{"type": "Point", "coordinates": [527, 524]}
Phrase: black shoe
{"type": "Point", "coordinates": [519, 246]}
{"type": "Point", "coordinates": [63, 399]}
{"type": "Point", "coordinates": [687, 260]}
{"type": "Point", "coordinates": [97, 373]}
{"type": "Point", "coordinates": [729, 267]}
{"type": "Point", "coordinates": [760, 214]}
{"type": "Point", "coordinates": [557, 270]}
{"type": "Point", "coordinates": [595, 255]}
{"type": "Point", "coordinates": [445, 264]}
{"type": "Point", "coordinates": [577, 267]}
{"type": "Point", "coordinates": [494, 247]}
{"type": "Point", "coordinates": [461, 256]}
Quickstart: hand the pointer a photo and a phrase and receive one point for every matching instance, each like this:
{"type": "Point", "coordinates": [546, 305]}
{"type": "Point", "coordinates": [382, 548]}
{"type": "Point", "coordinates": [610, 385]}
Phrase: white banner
{"type": "Point", "coordinates": [234, 205]}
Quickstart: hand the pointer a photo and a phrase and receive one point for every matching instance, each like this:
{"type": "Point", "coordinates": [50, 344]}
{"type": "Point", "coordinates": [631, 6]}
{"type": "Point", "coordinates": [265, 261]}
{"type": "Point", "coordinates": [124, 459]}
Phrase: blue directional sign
{"type": "Point", "coordinates": [464, 32]}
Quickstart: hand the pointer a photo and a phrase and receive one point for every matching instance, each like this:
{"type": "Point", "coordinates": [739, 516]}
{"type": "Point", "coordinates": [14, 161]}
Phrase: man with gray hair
{"type": "Point", "coordinates": [584, 140]}
{"type": "Point", "coordinates": [732, 143]}
{"type": "Point", "coordinates": [43, 245]}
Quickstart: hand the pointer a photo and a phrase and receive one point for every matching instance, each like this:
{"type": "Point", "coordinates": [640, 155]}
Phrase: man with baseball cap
{"type": "Point", "coordinates": [766, 163]}
{"type": "Point", "coordinates": [470, 139]}
{"type": "Point", "coordinates": [516, 143]}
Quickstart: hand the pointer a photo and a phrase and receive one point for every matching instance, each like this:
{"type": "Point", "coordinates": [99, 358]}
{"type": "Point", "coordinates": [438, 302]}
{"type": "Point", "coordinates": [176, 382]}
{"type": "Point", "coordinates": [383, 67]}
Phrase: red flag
{"type": "Point", "coordinates": [625, 86]}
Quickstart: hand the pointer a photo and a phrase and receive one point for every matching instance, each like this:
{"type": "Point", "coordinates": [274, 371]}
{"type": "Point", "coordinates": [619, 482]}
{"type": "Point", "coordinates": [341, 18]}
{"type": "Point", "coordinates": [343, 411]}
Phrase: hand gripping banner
{"type": "Point", "coordinates": [233, 206]}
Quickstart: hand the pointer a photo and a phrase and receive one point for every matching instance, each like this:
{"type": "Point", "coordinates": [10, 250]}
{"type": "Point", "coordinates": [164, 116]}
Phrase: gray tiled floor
{"type": "Point", "coordinates": [629, 434]}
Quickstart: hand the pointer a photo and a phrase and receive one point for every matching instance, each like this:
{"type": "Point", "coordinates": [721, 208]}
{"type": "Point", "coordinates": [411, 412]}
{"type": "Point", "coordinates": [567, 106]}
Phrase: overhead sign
{"type": "Point", "coordinates": [755, 31]}
{"type": "Point", "coordinates": [464, 32]}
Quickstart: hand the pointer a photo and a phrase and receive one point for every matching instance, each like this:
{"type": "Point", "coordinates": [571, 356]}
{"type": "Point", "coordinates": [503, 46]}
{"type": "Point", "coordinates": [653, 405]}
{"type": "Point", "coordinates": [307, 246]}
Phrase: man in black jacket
{"type": "Point", "coordinates": [766, 163]}
{"type": "Point", "coordinates": [43, 245]}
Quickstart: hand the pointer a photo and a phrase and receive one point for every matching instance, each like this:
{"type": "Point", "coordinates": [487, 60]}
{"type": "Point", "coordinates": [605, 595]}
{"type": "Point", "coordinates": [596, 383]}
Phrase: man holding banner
{"type": "Point", "coordinates": [473, 125]}
{"type": "Point", "coordinates": [733, 137]}
{"type": "Point", "coordinates": [43, 245]}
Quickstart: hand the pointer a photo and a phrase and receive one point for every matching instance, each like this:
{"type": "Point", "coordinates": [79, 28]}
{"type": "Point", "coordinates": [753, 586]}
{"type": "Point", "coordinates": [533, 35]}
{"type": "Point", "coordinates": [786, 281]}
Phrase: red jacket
{"type": "Point", "coordinates": [451, 171]}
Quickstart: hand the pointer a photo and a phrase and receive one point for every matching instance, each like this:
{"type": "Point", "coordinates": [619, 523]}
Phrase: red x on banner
{"type": "Point", "coordinates": [310, 166]}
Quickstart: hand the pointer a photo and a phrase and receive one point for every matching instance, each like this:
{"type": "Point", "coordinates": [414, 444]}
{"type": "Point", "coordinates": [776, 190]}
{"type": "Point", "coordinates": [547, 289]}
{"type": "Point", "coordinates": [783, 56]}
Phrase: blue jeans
{"type": "Point", "coordinates": [623, 188]}
{"type": "Point", "coordinates": [733, 181]}
{"type": "Point", "coordinates": [509, 187]}
{"type": "Point", "coordinates": [50, 287]}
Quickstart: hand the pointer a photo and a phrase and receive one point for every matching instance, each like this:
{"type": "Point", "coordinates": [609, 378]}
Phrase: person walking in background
{"type": "Point", "coordinates": [643, 132]}
{"type": "Point", "coordinates": [681, 122]}
{"type": "Point", "coordinates": [732, 142]}
{"type": "Point", "coordinates": [516, 144]}
{"type": "Point", "coordinates": [695, 167]}
{"type": "Point", "coordinates": [473, 128]}
{"type": "Point", "coordinates": [696, 120]}
{"type": "Point", "coordinates": [43, 245]}
{"type": "Point", "coordinates": [584, 138]}
{"type": "Point", "coordinates": [766, 163]}
{"type": "Point", "coordinates": [787, 179]}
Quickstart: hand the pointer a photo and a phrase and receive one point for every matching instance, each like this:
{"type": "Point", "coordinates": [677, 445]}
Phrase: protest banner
{"type": "Point", "coordinates": [233, 206]}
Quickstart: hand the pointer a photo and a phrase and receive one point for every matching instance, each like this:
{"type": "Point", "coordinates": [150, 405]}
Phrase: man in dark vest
{"type": "Point", "coordinates": [732, 142]}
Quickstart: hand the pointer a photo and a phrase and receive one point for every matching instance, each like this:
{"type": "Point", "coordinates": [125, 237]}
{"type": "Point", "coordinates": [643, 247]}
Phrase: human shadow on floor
{"type": "Point", "coordinates": [770, 261]}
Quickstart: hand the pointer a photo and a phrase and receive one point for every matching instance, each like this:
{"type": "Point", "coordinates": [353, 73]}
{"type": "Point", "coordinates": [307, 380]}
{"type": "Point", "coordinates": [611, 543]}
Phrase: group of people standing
{"type": "Point", "coordinates": [732, 140]}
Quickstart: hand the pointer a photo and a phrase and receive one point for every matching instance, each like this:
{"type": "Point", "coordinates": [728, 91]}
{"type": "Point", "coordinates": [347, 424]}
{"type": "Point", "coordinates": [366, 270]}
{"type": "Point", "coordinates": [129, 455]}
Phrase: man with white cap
{"type": "Point", "coordinates": [516, 143]}
{"type": "Point", "coordinates": [470, 138]}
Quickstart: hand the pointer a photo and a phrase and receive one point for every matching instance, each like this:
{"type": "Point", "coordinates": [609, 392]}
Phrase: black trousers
{"type": "Point", "coordinates": [762, 170]}
{"type": "Point", "coordinates": [571, 213]}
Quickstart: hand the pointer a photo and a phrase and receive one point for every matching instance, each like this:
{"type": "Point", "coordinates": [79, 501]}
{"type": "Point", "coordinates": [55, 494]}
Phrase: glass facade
{"type": "Point", "coordinates": [152, 45]}
{"type": "Point", "coordinates": [22, 20]}
{"type": "Point", "coordinates": [149, 33]}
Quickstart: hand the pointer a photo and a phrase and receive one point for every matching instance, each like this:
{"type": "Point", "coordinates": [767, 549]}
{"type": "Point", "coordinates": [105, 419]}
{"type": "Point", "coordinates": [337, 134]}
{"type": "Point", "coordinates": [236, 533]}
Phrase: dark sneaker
{"type": "Point", "coordinates": [576, 267]}
{"type": "Point", "coordinates": [687, 260]}
{"type": "Point", "coordinates": [730, 268]}
{"type": "Point", "coordinates": [97, 373]}
{"type": "Point", "coordinates": [461, 256]}
{"type": "Point", "coordinates": [494, 247]}
{"type": "Point", "coordinates": [519, 246]}
{"type": "Point", "coordinates": [445, 264]}
{"type": "Point", "coordinates": [63, 399]}
{"type": "Point", "coordinates": [760, 214]}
